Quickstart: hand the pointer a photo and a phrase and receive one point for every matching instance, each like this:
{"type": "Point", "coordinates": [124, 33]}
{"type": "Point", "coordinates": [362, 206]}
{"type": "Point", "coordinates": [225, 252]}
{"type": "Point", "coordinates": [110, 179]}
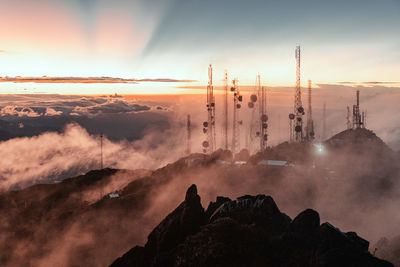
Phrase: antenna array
{"type": "Point", "coordinates": [209, 125]}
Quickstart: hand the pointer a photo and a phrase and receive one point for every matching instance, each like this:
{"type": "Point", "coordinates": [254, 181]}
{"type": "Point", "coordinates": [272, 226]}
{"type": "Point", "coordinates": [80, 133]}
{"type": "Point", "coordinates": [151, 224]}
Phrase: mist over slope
{"type": "Point", "coordinates": [353, 186]}
{"type": "Point", "coordinates": [248, 231]}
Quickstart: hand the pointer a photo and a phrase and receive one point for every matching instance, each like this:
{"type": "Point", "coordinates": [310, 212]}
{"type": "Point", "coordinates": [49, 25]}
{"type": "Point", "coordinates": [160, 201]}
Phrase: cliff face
{"type": "Point", "coordinates": [249, 231]}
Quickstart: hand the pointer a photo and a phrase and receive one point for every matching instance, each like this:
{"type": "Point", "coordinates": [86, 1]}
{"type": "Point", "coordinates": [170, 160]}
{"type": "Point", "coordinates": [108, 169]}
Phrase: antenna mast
{"type": "Point", "coordinates": [297, 115]}
{"type": "Point", "coordinates": [254, 122]}
{"type": "Point", "coordinates": [237, 98]}
{"type": "Point", "coordinates": [310, 123]}
{"type": "Point", "coordinates": [358, 120]}
{"type": "Point", "coordinates": [226, 111]}
{"type": "Point", "coordinates": [188, 135]}
{"type": "Point", "coordinates": [209, 125]}
{"type": "Point", "coordinates": [263, 119]}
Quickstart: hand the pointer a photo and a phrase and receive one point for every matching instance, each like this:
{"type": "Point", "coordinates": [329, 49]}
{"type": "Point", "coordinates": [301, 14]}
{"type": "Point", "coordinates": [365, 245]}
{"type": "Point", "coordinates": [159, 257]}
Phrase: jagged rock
{"type": "Point", "coordinates": [306, 222]}
{"type": "Point", "coordinates": [134, 257]}
{"type": "Point", "coordinates": [260, 210]}
{"type": "Point", "coordinates": [185, 220]}
{"type": "Point", "coordinates": [249, 231]}
{"type": "Point", "coordinates": [213, 206]}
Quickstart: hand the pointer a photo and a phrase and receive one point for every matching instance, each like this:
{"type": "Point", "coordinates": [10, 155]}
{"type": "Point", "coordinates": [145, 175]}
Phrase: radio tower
{"type": "Point", "coordinates": [209, 125]}
{"type": "Point", "coordinates": [254, 122]}
{"type": "Point", "coordinates": [188, 135]}
{"type": "Point", "coordinates": [297, 116]}
{"type": "Point", "coordinates": [237, 98]}
{"type": "Point", "coordinates": [263, 119]}
{"type": "Point", "coordinates": [357, 117]}
{"type": "Point", "coordinates": [348, 122]}
{"type": "Point", "coordinates": [226, 112]}
{"type": "Point", "coordinates": [310, 123]}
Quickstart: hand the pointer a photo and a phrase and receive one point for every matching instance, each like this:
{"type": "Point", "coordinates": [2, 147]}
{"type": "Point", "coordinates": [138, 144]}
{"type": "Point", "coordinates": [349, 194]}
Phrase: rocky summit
{"type": "Point", "coordinates": [248, 231]}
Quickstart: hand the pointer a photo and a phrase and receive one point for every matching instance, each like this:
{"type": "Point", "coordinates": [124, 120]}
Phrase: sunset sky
{"type": "Point", "coordinates": [342, 40]}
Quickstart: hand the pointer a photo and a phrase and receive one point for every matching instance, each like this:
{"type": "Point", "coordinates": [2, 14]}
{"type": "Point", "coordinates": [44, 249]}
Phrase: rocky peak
{"type": "Point", "coordinates": [249, 231]}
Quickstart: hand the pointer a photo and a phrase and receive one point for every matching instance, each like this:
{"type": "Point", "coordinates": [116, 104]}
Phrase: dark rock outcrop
{"type": "Point", "coordinates": [249, 231]}
{"type": "Point", "coordinates": [184, 221]}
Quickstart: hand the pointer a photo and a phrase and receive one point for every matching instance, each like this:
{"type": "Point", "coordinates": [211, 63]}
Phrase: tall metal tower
{"type": "Point", "coordinates": [237, 99]}
{"type": "Point", "coordinates": [357, 116]}
{"type": "Point", "coordinates": [209, 125]}
{"type": "Point", "coordinates": [188, 135]}
{"type": "Point", "coordinates": [225, 134]}
{"type": "Point", "coordinates": [263, 119]}
{"type": "Point", "coordinates": [297, 116]}
{"type": "Point", "coordinates": [255, 110]}
{"type": "Point", "coordinates": [310, 123]}
{"type": "Point", "coordinates": [324, 122]}
{"type": "Point", "coordinates": [348, 116]}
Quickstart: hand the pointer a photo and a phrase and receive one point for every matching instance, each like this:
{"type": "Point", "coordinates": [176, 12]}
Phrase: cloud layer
{"type": "Point", "coordinates": [52, 156]}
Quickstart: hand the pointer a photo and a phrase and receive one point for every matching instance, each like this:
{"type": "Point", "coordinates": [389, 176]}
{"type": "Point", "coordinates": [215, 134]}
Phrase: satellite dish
{"type": "Point", "coordinates": [251, 105]}
{"type": "Point", "coordinates": [297, 128]}
{"type": "Point", "coordinates": [238, 106]}
{"type": "Point", "coordinates": [264, 117]}
{"type": "Point", "coordinates": [205, 144]}
{"type": "Point", "coordinates": [291, 116]}
{"type": "Point", "coordinates": [253, 98]}
{"type": "Point", "coordinates": [205, 124]}
{"type": "Point", "coordinates": [301, 110]}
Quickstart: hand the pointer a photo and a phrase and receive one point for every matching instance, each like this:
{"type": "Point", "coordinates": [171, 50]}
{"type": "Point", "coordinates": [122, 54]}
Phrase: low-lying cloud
{"type": "Point", "coordinates": [56, 105]}
{"type": "Point", "coordinates": [52, 156]}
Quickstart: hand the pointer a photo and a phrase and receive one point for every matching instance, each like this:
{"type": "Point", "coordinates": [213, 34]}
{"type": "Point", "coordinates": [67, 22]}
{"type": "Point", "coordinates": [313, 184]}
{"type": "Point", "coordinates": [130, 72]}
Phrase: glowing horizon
{"type": "Point", "coordinates": [146, 40]}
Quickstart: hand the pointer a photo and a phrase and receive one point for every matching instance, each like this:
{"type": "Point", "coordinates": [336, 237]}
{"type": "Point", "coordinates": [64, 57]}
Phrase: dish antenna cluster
{"type": "Point", "coordinates": [209, 125]}
{"type": "Point", "coordinates": [258, 101]}
{"type": "Point", "coordinates": [236, 122]}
